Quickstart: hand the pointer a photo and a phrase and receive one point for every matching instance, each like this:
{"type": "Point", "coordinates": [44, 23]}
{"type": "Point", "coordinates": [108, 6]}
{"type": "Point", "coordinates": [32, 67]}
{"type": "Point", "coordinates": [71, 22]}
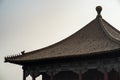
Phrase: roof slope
{"type": "Point", "coordinates": [97, 36]}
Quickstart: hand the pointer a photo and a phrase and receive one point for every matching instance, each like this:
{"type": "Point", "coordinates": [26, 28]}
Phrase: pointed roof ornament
{"type": "Point", "coordinates": [99, 9]}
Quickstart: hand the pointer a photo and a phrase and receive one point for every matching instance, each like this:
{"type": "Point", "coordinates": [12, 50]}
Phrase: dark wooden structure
{"type": "Point", "coordinates": [92, 53]}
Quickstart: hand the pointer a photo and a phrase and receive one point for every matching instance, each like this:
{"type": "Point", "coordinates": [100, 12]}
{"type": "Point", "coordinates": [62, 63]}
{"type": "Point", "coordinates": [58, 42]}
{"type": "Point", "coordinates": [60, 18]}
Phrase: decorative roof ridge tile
{"type": "Point", "coordinates": [109, 35]}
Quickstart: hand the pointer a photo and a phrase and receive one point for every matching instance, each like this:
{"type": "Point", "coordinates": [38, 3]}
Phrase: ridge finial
{"type": "Point", "coordinates": [98, 9]}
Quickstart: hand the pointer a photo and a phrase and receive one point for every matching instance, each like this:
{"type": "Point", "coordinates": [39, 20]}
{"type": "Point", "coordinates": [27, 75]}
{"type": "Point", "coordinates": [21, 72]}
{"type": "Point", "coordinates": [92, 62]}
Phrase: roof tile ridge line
{"type": "Point", "coordinates": [106, 31]}
{"type": "Point", "coordinates": [112, 26]}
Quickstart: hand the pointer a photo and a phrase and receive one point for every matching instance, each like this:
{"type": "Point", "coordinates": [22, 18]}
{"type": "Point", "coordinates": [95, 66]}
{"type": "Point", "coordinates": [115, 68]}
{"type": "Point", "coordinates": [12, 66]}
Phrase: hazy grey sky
{"type": "Point", "coordinates": [33, 24]}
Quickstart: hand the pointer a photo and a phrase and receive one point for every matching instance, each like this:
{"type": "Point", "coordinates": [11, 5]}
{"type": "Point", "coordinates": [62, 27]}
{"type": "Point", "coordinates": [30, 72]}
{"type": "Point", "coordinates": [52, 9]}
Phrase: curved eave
{"type": "Point", "coordinates": [96, 55]}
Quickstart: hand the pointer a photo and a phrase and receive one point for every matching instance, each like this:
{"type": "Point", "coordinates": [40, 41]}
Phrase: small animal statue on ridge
{"type": "Point", "coordinates": [23, 52]}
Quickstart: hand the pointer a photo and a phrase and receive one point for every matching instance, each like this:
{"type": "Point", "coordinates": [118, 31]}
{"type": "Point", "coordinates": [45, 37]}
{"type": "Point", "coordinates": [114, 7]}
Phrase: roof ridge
{"type": "Point", "coordinates": [110, 36]}
{"type": "Point", "coordinates": [111, 26]}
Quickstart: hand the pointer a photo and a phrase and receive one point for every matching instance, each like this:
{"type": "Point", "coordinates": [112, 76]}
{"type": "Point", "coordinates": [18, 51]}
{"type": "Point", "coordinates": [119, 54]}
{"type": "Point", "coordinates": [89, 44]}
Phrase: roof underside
{"type": "Point", "coordinates": [97, 36]}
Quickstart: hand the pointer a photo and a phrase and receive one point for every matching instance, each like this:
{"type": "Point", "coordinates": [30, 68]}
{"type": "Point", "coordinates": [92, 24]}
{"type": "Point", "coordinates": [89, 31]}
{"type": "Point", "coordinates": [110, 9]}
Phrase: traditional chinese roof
{"type": "Point", "coordinates": [96, 37]}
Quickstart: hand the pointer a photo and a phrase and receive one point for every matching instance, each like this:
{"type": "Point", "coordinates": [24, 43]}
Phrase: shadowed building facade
{"type": "Point", "coordinates": [92, 53]}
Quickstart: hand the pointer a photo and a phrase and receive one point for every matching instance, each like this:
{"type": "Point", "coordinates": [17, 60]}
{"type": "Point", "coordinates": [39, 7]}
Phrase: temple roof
{"type": "Point", "coordinates": [97, 36]}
